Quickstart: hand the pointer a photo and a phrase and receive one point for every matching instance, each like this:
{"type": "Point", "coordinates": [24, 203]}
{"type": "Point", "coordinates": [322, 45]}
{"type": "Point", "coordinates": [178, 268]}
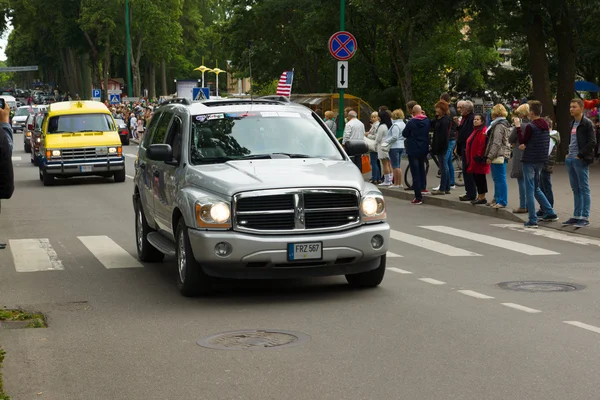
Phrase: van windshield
{"type": "Point", "coordinates": [21, 112]}
{"type": "Point", "coordinates": [80, 123]}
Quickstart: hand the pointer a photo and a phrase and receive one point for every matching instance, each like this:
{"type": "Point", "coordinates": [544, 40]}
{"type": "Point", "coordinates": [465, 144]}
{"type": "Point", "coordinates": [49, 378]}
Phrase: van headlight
{"type": "Point", "coordinates": [112, 150]}
{"type": "Point", "coordinates": [372, 207]}
{"type": "Point", "coordinates": [55, 153]}
{"type": "Point", "coordinates": [213, 214]}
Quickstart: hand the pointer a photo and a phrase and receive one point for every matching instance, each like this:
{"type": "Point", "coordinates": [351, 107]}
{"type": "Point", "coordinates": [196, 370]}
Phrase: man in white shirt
{"type": "Point", "coordinates": [354, 130]}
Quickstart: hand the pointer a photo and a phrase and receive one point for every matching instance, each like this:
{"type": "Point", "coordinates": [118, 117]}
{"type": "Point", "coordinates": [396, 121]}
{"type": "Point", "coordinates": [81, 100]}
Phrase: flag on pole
{"type": "Point", "coordinates": [284, 88]}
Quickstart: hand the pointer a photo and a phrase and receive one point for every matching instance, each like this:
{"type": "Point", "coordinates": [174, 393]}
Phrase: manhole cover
{"type": "Point", "coordinates": [535, 286]}
{"type": "Point", "coordinates": [253, 339]}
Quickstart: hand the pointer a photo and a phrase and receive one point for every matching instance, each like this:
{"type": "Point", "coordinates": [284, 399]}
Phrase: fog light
{"type": "Point", "coordinates": [223, 249]}
{"type": "Point", "coordinates": [377, 242]}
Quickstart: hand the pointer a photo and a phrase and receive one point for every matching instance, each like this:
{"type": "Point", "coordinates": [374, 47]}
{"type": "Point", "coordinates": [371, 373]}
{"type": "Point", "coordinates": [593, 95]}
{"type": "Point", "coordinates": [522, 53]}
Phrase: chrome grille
{"type": "Point", "coordinates": [80, 153]}
{"type": "Point", "coordinates": [296, 210]}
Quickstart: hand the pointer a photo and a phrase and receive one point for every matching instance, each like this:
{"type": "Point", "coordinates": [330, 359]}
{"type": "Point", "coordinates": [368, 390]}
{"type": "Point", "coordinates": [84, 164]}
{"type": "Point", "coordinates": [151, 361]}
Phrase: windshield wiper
{"type": "Point", "coordinates": [271, 155]}
{"type": "Point", "coordinates": [212, 160]}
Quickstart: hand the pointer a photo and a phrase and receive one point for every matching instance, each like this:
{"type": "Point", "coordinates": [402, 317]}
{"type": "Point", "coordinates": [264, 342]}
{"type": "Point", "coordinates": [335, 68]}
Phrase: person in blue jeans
{"type": "Point", "coordinates": [497, 153]}
{"type": "Point", "coordinates": [579, 158]}
{"type": "Point", "coordinates": [535, 142]}
{"type": "Point", "coordinates": [416, 134]}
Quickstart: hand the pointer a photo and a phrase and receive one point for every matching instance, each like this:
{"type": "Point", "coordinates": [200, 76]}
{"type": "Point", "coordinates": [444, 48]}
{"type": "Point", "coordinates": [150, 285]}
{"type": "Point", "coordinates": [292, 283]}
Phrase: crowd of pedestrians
{"type": "Point", "coordinates": [485, 144]}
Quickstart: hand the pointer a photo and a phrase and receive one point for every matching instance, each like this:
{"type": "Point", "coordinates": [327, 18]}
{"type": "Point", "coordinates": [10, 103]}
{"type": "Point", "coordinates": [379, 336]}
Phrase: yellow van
{"type": "Point", "coordinates": [80, 138]}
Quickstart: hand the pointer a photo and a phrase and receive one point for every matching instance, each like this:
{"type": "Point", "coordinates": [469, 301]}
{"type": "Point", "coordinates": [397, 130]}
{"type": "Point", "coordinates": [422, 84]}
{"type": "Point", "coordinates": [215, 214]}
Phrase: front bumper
{"type": "Point", "coordinates": [75, 168]}
{"type": "Point", "coordinates": [265, 257]}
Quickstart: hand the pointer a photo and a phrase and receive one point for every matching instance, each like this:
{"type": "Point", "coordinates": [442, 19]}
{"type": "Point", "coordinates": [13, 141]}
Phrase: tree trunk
{"type": "Point", "coordinates": [163, 78]}
{"type": "Point", "coordinates": [538, 60]}
{"type": "Point", "coordinates": [565, 42]}
{"type": "Point", "coordinates": [152, 81]}
{"type": "Point", "coordinates": [135, 68]}
{"type": "Point", "coordinates": [106, 67]}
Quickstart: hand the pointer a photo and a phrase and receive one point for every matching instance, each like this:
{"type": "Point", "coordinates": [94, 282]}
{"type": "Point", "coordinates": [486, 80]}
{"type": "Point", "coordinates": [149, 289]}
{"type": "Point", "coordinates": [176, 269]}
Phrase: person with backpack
{"type": "Point", "coordinates": [497, 154]}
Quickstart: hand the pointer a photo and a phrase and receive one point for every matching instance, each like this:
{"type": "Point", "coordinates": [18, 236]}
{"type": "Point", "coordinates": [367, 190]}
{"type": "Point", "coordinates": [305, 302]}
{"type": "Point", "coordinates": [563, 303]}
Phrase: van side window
{"type": "Point", "coordinates": [174, 138]}
{"type": "Point", "coordinates": [160, 131]}
{"type": "Point", "coordinates": [150, 128]}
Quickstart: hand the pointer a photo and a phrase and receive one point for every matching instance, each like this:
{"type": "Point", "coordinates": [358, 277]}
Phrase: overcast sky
{"type": "Point", "coordinates": [3, 42]}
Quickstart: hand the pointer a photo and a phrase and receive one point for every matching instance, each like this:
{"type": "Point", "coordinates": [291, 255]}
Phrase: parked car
{"type": "Point", "coordinates": [20, 118]}
{"type": "Point", "coordinates": [255, 189]}
{"type": "Point", "coordinates": [123, 131]}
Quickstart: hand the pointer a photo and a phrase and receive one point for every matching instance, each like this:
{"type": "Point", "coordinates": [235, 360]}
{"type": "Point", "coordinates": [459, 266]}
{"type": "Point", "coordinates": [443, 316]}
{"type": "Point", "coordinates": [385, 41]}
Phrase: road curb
{"type": "Point", "coordinates": [440, 201]}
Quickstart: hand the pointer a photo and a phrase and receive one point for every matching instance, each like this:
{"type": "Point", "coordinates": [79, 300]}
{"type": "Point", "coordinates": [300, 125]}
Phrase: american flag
{"type": "Point", "coordinates": [284, 88]}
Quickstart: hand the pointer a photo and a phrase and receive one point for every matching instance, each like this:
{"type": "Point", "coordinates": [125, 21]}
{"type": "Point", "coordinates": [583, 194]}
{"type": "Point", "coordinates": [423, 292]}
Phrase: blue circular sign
{"type": "Point", "coordinates": [342, 45]}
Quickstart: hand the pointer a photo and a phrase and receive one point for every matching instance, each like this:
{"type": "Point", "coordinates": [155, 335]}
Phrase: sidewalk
{"type": "Point", "coordinates": [563, 198]}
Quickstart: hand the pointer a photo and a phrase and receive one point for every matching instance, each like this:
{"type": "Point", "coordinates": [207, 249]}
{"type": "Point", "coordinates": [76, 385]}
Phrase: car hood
{"type": "Point", "coordinates": [238, 176]}
{"type": "Point", "coordinates": [20, 118]}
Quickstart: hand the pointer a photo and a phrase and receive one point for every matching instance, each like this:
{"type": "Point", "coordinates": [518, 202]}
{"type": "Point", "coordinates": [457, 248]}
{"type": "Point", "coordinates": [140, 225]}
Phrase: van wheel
{"type": "Point", "coordinates": [191, 279]}
{"type": "Point", "coordinates": [120, 176]}
{"type": "Point", "coordinates": [368, 279]}
{"type": "Point", "coordinates": [146, 252]}
{"type": "Point", "coordinates": [47, 178]}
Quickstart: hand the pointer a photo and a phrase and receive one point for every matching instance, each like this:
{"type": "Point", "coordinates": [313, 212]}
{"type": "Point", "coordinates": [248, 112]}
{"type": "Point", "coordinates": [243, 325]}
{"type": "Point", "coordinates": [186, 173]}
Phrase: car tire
{"type": "Point", "coordinates": [27, 147]}
{"type": "Point", "coordinates": [120, 176]}
{"type": "Point", "coordinates": [36, 160]}
{"type": "Point", "coordinates": [146, 252]}
{"type": "Point", "coordinates": [125, 141]}
{"type": "Point", "coordinates": [368, 279]}
{"type": "Point", "coordinates": [191, 279]}
{"type": "Point", "coordinates": [47, 179]}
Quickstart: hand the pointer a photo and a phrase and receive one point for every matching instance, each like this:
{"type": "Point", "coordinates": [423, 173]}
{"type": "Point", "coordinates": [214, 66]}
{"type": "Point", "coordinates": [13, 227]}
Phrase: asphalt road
{"type": "Point", "coordinates": [438, 327]}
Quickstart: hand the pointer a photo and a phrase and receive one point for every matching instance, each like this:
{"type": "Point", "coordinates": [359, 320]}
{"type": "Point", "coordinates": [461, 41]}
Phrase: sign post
{"type": "Point", "coordinates": [96, 94]}
{"type": "Point", "coordinates": [342, 46]}
{"type": "Point", "coordinates": [114, 98]}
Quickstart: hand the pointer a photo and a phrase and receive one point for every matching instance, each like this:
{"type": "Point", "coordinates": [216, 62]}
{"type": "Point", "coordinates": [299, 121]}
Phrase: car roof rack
{"type": "Point", "coordinates": [177, 100]}
{"type": "Point", "coordinates": [281, 99]}
{"type": "Point", "coordinates": [234, 102]}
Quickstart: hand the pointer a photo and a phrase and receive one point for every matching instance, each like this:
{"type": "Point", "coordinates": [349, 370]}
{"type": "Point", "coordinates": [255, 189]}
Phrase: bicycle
{"type": "Point", "coordinates": [456, 161]}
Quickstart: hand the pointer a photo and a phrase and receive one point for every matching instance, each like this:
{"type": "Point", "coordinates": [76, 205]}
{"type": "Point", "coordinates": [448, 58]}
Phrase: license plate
{"type": "Point", "coordinates": [85, 168]}
{"type": "Point", "coordinates": [305, 251]}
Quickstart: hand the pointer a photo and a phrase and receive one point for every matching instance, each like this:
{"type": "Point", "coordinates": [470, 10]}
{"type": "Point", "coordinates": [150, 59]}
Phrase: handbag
{"type": "Point", "coordinates": [371, 144]}
{"type": "Point", "coordinates": [498, 160]}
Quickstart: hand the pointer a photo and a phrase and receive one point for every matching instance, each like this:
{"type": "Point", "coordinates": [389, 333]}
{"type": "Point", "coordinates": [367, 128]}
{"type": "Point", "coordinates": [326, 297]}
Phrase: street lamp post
{"type": "Point", "coordinates": [217, 71]}
{"type": "Point", "coordinates": [202, 69]}
{"type": "Point", "coordinates": [128, 40]}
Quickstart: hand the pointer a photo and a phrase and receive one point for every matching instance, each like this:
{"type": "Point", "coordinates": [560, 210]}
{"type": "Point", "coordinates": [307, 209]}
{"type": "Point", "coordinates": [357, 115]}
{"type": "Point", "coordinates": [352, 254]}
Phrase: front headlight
{"type": "Point", "coordinates": [112, 150]}
{"type": "Point", "coordinates": [55, 153]}
{"type": "Point", "coordinates": [38, 140]}
{"type": "Point", "coordinates": [28, 134]}
{"type": "Point", "coordinates": [213, 214]}
{"type": "Point", "coordinates": [372, 207]}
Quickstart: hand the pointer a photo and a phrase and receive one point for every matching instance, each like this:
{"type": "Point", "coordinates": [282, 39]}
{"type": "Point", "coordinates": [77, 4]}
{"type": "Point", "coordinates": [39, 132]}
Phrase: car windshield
{"type": "Point", "coordinates": [248, 135]}
{"type": "Point", "coordinates": [21, 112]}
{"type": "Point", "coordinates": [80, 123]}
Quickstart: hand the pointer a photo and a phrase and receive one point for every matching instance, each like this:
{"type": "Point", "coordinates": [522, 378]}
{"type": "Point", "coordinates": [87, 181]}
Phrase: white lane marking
{"type": "Point", "coordinates": [110, 254]}
{"type": "Point", "coordinates": [493, 241]}
{"type": "Point", "coordinates": [477, 295]}
{"type": "Point", "coordinates": [393, 255]}
{"type": "Point", "coordinates": [521, 308]}
{"type": "Point", "coordinates": [130, 155]}
{"type": "Point", "coordinates": [578, 324]}
{"type": "Point", "coordinates": [575, 239]}
{"type": "Point", "coordinates": [129, 176]}
{"type": "Point", "coordinates": [431, 245]}
{"type": "Point", "coordinates": [432, 281]}
{"type": "Point", "coordinates": [31, 255]}
{"type": "Point", "coordinates": [16, 158]}
{"type": "Point", "coordinates": [400, 271]}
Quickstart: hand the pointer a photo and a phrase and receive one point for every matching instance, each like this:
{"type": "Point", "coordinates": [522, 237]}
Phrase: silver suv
{"type": "Point", "coordinates": [255, 189]}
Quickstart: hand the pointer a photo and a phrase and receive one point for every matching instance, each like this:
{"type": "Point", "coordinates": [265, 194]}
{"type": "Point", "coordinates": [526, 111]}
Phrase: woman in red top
{"type": "Point", "coordinates": [475, 154]}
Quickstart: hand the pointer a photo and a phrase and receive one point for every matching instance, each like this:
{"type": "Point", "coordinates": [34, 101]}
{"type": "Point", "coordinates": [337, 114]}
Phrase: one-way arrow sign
{"type": "Point", "coordinates": [342, 75]}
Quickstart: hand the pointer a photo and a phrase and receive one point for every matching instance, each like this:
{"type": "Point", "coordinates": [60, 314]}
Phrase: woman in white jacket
{"type": "Point", "coordinates": [393, 144]}
{"type": "Point", "coordinates": [376, 135]}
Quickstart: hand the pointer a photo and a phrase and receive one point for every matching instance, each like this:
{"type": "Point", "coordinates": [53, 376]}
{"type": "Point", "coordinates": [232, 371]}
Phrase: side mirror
{"type": "Point", "coordinates": [356, 147]}
{"type": "Point", "coordinates": [160, 152]}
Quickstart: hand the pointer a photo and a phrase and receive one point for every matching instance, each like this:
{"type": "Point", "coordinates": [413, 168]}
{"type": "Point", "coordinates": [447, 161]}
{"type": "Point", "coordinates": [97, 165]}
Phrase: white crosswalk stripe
{"type": "Point", "coordinates": [16, 158]}
{"type": "Point", "coordinates": [109, 253]}
{"type": "Point", "coordinates": [393, 255]}
{"type": "Point", "coordinates": [493, 241]}
{"type": "Point", "coordinates": [575, 239]}
{"type": "Point", "coordinates": [32, 255]}
{"type": "Point", "coordinates": [431, 245]}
